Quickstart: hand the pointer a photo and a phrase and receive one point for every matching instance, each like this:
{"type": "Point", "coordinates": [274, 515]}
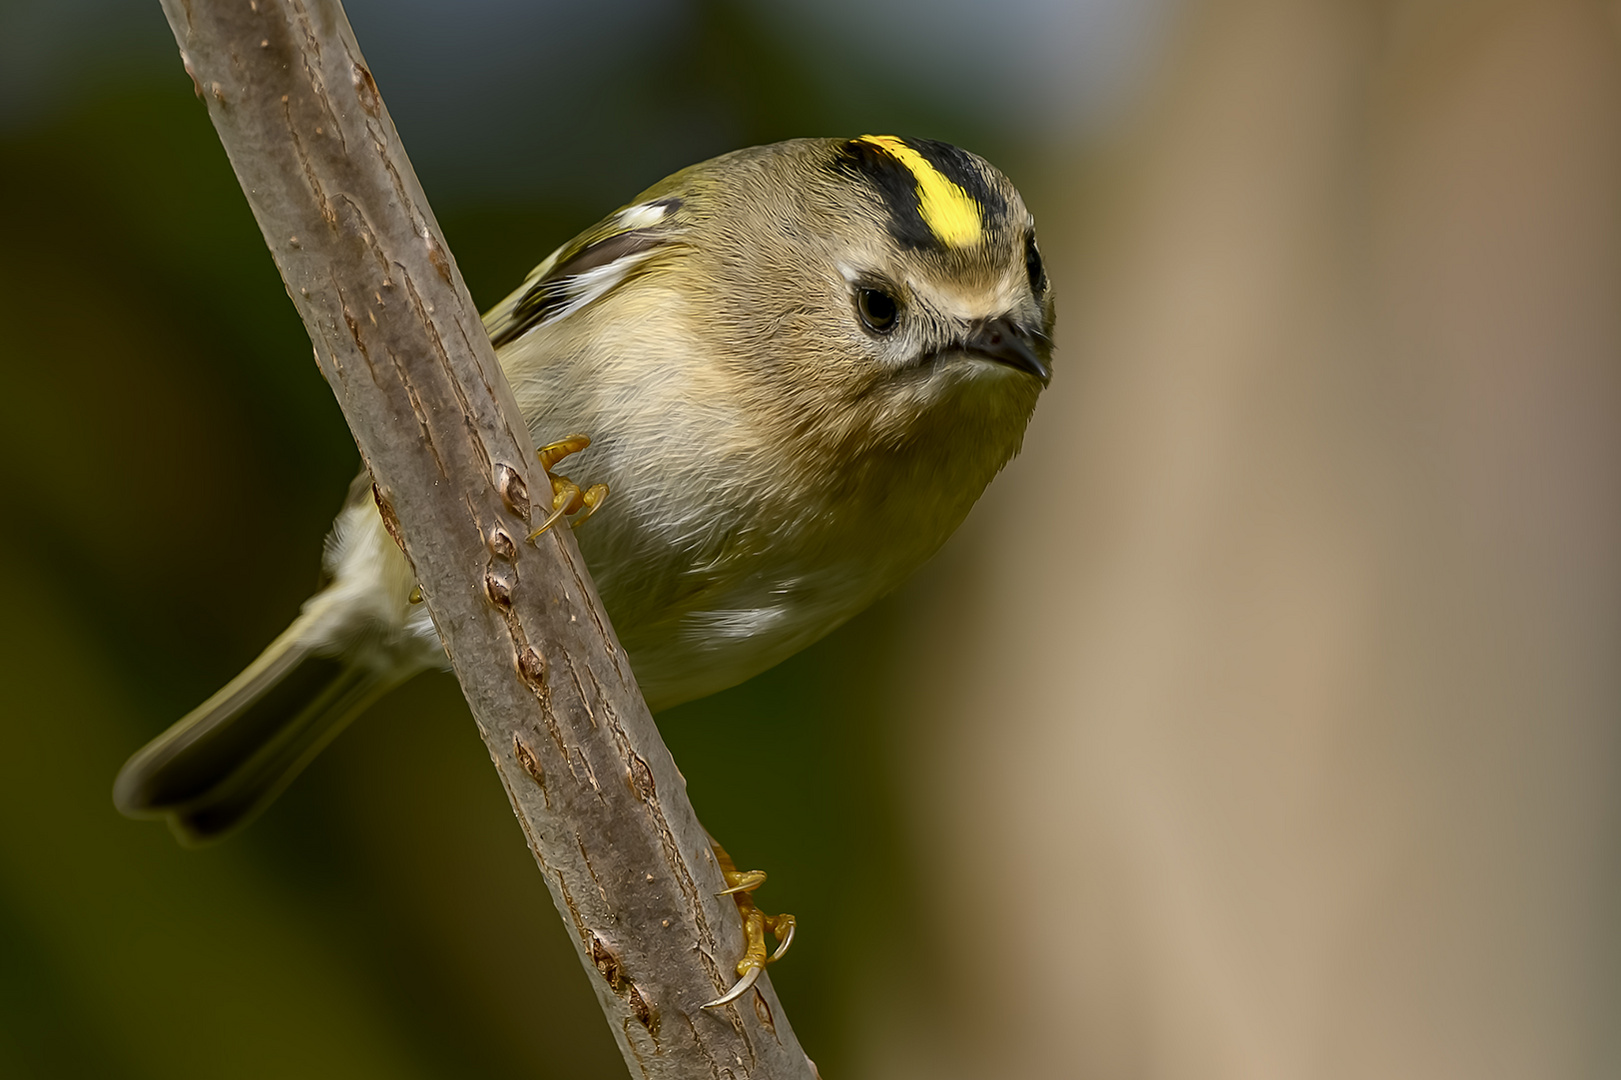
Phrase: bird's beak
{"type": "Point", "coordinates": [1003, 342]}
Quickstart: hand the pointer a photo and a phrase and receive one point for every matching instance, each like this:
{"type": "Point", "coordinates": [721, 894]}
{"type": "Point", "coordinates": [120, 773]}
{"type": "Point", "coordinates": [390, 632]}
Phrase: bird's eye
{"type": "Point", "coordinates": [877, 310]}
{"type": "Point", "coordinates": [1033, 267]}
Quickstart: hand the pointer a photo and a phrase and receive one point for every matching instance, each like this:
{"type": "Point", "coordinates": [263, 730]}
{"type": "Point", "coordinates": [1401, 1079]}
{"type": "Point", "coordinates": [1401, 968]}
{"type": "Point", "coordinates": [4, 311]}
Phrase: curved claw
{"type": "Point", "coordinates": [593, 498]}
{"type": "Point", "coordinates": [551, 520]}
{"type": "Point", "coordinates": [743, 986]}
{"type": "Point", "coordinates": [783, 930]}
{"type": "Point", "coordinates": [567, 498]}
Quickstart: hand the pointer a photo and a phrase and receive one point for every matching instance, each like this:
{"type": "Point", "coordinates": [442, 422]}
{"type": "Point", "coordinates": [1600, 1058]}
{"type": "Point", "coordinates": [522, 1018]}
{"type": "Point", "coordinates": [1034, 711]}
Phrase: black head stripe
{"type": "Point", "coordinates": [897, 184]}
{"type": "Point", "coordinates": [966, 171]}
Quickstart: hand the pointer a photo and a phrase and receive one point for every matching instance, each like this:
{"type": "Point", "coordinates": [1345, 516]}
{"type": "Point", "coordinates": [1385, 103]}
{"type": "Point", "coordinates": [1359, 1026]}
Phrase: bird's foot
{"type": "Point", "coordinates": [567, 497]}
{"type": "Point", "coordinates": [740, 884]}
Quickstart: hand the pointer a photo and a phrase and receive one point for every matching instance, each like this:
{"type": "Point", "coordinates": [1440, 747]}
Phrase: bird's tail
{"type": "Point", "coordinates": [223, 762]}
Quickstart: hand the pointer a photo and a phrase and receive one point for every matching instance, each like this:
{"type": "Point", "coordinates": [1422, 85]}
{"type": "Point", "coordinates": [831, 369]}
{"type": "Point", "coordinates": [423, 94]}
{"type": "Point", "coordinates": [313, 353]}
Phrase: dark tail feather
{"type": "Point", "coordinates": [223, 762]}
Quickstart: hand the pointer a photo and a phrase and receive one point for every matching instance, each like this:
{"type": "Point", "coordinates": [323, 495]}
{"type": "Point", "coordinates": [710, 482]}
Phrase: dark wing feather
{"type": "Point", "coordinates": [557, 282]}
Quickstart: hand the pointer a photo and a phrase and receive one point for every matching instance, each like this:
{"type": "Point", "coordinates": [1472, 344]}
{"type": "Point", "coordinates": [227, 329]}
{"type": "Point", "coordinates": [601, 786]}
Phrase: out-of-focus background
{"type": "Point", "coordinates": [1263, 722]}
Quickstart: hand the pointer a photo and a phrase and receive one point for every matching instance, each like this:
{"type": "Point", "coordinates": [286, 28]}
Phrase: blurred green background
{"type": "Point", "coordinates": [172, 460]}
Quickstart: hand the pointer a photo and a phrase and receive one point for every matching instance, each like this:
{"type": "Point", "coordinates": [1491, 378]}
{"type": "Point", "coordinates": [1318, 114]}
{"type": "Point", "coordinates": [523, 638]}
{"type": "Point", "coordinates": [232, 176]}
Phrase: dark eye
{"type": "Point", "coordinates": [1033, 267]}
{"type": "Point", "coordinates": [877, 310]}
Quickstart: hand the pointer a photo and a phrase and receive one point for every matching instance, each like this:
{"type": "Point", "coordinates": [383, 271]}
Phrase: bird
{"type": "Point", "coordinates": [799, 365]}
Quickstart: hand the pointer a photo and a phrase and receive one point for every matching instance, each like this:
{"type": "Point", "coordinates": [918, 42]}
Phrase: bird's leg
{"type": "Point", "coordinates": [740, 884]}
{"type": "Point", "coordinates": [567, 498]}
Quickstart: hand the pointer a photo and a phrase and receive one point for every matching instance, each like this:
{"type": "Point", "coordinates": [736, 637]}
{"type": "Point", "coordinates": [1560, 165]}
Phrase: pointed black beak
{"type": "Point", "coordinates": [1003, 342]}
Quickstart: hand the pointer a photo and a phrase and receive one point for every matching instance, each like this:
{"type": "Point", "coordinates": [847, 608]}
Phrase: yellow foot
{"type": "Point", "coordinates": [739, 885]}
{"type": "Point", "coordinates": [567, 498]}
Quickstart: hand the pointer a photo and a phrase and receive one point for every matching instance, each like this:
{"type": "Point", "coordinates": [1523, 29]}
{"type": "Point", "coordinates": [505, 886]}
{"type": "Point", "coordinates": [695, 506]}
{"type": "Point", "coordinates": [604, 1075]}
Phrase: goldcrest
{"type": "Point", "coordinates": [799, 365]}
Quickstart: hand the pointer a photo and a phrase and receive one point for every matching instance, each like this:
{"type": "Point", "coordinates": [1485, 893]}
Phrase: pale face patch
{"type": "Point", "coordinates": [965, 304]}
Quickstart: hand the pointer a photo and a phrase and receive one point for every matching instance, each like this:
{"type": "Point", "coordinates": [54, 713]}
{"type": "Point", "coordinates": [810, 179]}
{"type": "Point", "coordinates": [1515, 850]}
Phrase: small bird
{"type": "Point", "coordinates": [799, 365]}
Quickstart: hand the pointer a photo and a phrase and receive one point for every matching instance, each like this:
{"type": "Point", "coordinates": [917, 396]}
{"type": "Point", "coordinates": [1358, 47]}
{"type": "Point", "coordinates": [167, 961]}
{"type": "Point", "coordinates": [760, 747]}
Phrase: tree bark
{"type": "Point", "coordinates": [398, 339]}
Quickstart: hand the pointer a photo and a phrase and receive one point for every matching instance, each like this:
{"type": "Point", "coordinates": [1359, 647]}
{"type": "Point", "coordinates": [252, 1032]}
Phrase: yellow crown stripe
{"type": "Point", "coordinates": [949, 211]}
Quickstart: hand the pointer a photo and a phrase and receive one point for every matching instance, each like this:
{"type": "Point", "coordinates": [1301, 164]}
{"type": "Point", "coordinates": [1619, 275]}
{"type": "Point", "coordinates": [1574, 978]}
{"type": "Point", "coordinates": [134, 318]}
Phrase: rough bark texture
{"type": "Point", "coordinates": [399, 341]}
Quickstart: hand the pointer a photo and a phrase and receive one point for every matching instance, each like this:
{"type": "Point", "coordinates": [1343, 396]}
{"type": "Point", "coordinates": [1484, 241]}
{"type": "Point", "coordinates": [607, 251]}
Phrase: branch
{"type": "Point", "coordinates": [400, 342]}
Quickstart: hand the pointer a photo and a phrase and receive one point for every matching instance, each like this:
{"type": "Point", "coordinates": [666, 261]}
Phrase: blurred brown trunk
{"type": "Point", "coordinates": [1269, 722]}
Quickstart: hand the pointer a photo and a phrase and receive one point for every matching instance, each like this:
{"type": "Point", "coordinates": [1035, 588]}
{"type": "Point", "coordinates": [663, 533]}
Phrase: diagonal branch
{"type": "Point", "coordinates": [399, 341]}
